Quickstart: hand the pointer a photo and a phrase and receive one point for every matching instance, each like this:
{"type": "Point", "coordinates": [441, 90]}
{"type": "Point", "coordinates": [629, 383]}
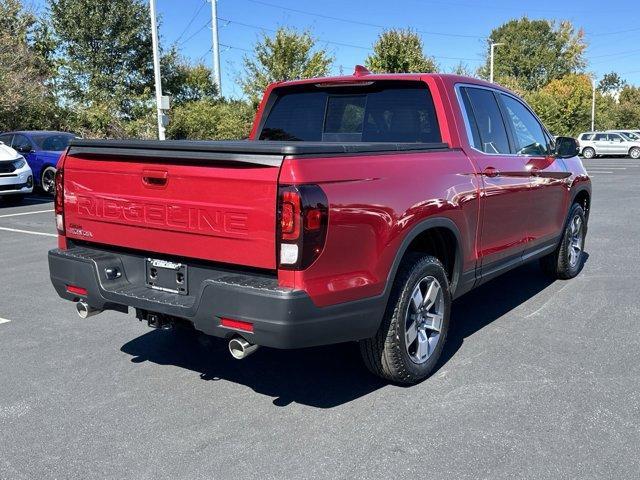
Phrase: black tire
{"type": "Point", "coordinates": [589, 152]}
{"type": "Point", "coordinates": [559, 264]}
{"type": "Point", "coordinates": [386, 354]}
{"type": "Point", "coordinates": [634, 153]}
{"type": "Point", "coordinates": [47, 181]}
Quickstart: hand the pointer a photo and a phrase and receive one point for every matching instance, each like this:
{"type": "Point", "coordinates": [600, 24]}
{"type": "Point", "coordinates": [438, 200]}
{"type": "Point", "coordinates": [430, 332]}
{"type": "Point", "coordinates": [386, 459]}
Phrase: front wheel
{"type": "Point", "coordinates": [566, 262]}
{"type": "Point", "coordinates": [634, 153]}
{"type": "Point", "coordinates": [588, 152]}
{"type": "Point", "coordinates": [412, 334]}
{"type": "Point", "coordinates": [48, 180]}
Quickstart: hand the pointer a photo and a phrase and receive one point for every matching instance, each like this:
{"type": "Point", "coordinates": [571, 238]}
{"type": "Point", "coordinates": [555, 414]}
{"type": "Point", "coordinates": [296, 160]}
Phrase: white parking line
{"type": "Point", "coordinates": [15, 230]}
{"type": "Point", "coordinates": [26, 213]}
{"type": "Point", "coordinates": [4, 320]}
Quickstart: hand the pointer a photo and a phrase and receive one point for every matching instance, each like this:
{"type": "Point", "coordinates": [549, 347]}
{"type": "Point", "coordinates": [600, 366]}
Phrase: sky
{"type": "Point", "coordinates": [452, 31]}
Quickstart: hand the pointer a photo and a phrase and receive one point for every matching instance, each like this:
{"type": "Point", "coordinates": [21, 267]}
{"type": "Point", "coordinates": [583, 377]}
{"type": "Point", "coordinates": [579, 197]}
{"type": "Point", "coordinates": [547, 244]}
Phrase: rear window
{"type": "Point", "coordinates": [400, 112]}
{"type": "Point", "coordinates": [55, 142]}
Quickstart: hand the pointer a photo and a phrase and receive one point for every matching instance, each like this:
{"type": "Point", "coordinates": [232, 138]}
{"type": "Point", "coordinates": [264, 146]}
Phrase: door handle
{"type": "Point", "coordinates": [154, 178]}
{"type": "Point", "coordinates": [491, 172]}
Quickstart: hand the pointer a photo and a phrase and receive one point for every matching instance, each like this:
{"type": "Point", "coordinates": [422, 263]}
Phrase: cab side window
{"type": "Point", "coordinates": [615, 138]}
{"type": "Point", "coordinates": [21, 143]}
{"type": "Point", "coordinates": [529, 135]}
{"type": "Point", "coordinates": [488, 130]}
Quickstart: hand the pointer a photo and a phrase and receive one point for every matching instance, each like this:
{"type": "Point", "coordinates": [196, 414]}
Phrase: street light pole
{"type": "Point", "coordinates": [156, 69]}
{"type": "Point", "coordinates": [593, 105]}
{"type": "Point", "coordinates": [493, 46]}
{"type": "Point", "coordinates": [215, 46]}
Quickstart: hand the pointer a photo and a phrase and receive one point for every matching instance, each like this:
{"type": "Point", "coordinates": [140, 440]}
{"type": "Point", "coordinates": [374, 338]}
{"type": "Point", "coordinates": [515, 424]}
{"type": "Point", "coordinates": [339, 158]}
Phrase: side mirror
{"type": "Point", "coordinates": [23, 149]}
{"type": "Point", "coordinates": [566, 147]}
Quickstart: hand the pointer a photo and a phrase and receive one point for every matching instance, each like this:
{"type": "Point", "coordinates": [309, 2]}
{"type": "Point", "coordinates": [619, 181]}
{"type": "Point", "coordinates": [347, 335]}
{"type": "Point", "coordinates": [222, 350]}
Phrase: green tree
{"type": "Point", "coordinates": [185, 82]}
{"type": "Point", "coordinates": [25, 99]}
{"type": "Point", "coordinates": [611, 82]}
{"type": "Point", "coordinates": [564, 104]}
{"type": "Point", "coordinates": [104, 52]}
{"type": "Point", "coordinates": [211, 120]}
{"type": "Point", "coordinates": [535, 52]}
{"type": "Point", "coordinates": [462, 69]}
{"type": "Point", "coordinates": [399, 51]}
{"type": "Point", "coordinates": [287, 55]}
{"type": "Point", "coordinates": [628, 108]}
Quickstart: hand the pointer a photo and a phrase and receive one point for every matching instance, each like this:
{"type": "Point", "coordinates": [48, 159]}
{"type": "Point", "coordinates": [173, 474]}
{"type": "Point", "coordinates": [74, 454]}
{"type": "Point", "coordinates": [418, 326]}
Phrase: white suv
{"type": "Point", "coordinates": [604, 143]}
{"type": "Point", "coordinates": [16, 179]}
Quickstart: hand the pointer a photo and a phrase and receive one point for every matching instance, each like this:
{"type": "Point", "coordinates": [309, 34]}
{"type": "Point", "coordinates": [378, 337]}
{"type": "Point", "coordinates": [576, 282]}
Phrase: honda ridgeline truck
{"type": "Point", "coordinates": [358, 209]}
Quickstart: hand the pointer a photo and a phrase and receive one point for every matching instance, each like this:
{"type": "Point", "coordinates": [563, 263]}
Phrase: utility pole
{"type": "Point", "coordinates": [215, 46]}
{"type": "Point", "coordinates": [156, 69]}
{"type": "Point", "coordinates": [593, 105]}
{"type": "Point", "coordinates": [493, 46]}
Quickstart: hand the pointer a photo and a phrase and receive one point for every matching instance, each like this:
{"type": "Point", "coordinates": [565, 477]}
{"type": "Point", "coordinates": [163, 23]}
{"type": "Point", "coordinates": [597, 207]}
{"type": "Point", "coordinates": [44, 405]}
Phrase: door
{"type": "Point", "coordinates": [549, 197]}
{"type": "Point", "coordinates": [505, 205]}
{"type": "Point", "coordinates": [601, 143]}
{"type": "Point", "coordinates": [617, 145]}
{"type": "Point", "coordinates": [25, 148]}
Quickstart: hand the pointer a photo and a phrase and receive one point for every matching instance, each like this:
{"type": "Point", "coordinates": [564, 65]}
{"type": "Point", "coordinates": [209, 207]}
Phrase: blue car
{"type": "Point", "coordinates": [41, 150]}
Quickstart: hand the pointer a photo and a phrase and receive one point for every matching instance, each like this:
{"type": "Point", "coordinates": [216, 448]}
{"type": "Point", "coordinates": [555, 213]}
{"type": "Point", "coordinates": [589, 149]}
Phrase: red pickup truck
{"type": "Point", "coordinates": [359, 208]}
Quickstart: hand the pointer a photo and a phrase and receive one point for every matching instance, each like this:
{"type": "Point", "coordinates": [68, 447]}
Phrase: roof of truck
{"type": "Point", "coordinates": [361, 74]}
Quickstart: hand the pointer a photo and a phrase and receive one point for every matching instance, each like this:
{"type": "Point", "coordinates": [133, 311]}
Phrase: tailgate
{"type": "Point", "coordinates": [219, 210]}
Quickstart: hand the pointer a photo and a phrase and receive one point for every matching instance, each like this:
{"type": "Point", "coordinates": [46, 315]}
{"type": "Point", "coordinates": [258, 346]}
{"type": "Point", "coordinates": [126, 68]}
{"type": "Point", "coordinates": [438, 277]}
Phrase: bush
{"type": "Point", "coordinates": [211, 120]}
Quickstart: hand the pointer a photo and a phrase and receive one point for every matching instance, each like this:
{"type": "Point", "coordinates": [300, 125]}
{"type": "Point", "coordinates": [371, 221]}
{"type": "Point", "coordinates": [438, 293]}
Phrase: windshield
{"type": "Point", "coordinates": [630, 136]}
{"type": "Point", "coordinates": [383, 111]}
{"type": "Point", "coordinates": [55, 142]}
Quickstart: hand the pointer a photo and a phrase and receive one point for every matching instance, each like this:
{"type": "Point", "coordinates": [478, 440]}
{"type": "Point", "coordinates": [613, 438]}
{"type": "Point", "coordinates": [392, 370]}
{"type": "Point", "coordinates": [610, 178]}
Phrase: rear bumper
{"type": "Point", "coordinates": [281, 318]}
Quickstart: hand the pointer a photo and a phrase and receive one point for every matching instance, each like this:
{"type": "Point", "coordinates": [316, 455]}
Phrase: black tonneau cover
{"type": "Point", "coordinates": [259, 152]}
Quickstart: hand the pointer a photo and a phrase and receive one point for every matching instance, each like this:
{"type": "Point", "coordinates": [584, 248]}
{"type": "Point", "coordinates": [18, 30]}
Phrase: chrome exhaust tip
{"type": "Point", "coordinates": [85, 310]}
{"type": "Point", "coordinates": [240, 348]}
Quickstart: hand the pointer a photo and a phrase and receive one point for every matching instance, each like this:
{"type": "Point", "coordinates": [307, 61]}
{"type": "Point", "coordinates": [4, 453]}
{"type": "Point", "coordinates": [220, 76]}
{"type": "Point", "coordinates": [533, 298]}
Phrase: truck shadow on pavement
{"type": "Point", "coordinates": [325, 377]}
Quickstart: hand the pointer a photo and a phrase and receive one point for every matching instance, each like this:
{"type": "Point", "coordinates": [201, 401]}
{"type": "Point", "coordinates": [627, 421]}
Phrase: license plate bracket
{"type": "Point", "coordinates": [166, 276]}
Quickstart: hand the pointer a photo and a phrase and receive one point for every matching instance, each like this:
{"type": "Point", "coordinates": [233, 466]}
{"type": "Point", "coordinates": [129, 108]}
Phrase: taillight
{"type": "Point", "coordinates": [59, 200]}
{"type": "Point", "coordinates": [303, 213]}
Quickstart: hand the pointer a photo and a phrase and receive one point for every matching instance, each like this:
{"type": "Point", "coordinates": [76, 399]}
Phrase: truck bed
{"type": "Point", "coordinates": [244, 151]}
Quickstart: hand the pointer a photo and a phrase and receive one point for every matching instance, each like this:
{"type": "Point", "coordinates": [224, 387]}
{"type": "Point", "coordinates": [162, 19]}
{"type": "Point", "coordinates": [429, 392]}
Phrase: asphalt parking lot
{"type": "Point", "coordinates": [540, 379]}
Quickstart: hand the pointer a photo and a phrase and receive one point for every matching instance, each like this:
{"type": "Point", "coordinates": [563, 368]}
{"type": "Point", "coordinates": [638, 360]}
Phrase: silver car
{"type": "Point", "coordinates": [606, 144]}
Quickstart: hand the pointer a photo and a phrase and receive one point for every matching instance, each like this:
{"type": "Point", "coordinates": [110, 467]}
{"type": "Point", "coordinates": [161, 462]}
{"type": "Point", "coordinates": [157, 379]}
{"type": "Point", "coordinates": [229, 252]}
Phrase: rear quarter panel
{"type": "Point", "coordinates": [374, 203]}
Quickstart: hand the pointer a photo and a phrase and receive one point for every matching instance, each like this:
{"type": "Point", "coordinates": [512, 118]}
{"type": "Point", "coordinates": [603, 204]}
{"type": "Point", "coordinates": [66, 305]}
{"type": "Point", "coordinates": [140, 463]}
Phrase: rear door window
{"type": "Point", "coordinates": [600, 137]}
{"type": "Point", "coordinates": [485, 117]}
{"type": "Point", "coordinates": [386, 111]}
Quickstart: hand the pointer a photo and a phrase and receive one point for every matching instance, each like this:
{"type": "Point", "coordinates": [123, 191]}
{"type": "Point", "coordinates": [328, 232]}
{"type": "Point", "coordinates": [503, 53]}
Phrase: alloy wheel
{"type": "Point", "coordinates": [424, 317]}
{"type": "Point", "coordinates": [576, 241]}
{"type": "Point", "coordinates": [49, 180]}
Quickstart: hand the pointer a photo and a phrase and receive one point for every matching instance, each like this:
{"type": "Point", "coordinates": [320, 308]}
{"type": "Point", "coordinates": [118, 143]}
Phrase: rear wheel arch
{"type": "Point", "coordinates": [438, 237]}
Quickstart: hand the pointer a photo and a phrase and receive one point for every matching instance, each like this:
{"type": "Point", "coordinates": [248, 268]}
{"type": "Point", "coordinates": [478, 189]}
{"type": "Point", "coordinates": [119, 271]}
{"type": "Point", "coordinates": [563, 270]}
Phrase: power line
{"type": "Point", "coordinates": [196, 32]}
{"type": "Point", "coordinates": [602, 34]}
{"type": "Point", "coordinates": [358, 22]}
{"type": "Point", "coordinates": [197, 12]}
{"type": "Point", "coordinates": [331, 42]}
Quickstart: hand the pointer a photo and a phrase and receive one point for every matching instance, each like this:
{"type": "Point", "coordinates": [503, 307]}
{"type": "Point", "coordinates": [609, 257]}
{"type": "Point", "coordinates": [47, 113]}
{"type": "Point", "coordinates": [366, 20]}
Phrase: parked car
{"type": "Point", "coordinates": [593, 144]}
{"type": "Point", "coordinates": [358, 210]}
{"type": "Point", "coordinates": [41, 150]}
{"type": "Point", "coordinates": [16, 179]}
